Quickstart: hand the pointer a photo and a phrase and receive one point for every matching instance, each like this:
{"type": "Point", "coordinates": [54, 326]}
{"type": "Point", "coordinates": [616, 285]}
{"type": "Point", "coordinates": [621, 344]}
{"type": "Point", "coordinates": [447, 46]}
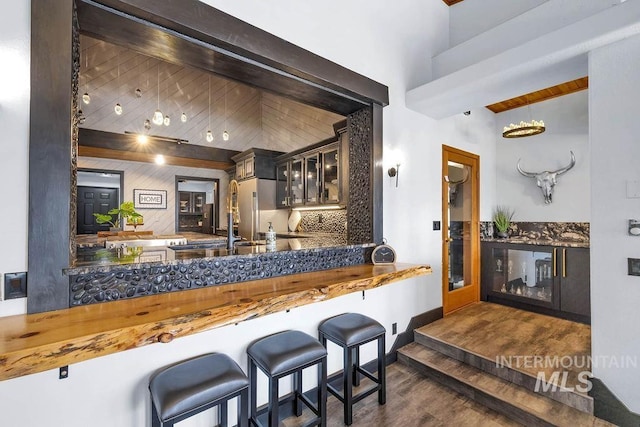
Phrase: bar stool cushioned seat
{"type": "Point", "coordinates": [283, 354]}
{"type": "Point", "coordinates": [350, 331]}
{"type": "Point", "coordinates": [191, 386]}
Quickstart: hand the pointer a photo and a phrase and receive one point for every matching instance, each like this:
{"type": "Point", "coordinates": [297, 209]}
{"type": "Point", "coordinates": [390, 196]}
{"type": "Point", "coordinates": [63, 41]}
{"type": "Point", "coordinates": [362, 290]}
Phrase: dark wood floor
{"type": "Point", "coordinates": [412, 401]}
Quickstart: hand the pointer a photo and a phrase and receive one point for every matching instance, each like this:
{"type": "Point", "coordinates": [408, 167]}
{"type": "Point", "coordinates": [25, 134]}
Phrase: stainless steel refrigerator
{"type": "Point", "coordinates": [254, 195]}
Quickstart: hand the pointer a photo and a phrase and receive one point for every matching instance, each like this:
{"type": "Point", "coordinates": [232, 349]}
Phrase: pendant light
{"type": "Point", "coordinates": [118, 107]}
{"type": "Point", "coordinates": [85, 97]}
{"type": "Point", "coordinates": [225, 134]}
{"type": "Point", "coordinates": [183, 118]}
{"type": "Point", "coordinates": [158, 117]}
{"type": "Point", "coordinates": [209, 136]}
{"type": "Point", "coordinates": [524, 129]}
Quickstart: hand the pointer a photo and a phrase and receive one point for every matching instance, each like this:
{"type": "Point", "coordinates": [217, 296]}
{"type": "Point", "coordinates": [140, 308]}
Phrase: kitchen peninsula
{"type": "Point", "coordinates": [121, 269]}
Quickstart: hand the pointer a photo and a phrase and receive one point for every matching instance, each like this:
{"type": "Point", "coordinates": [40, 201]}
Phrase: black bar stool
{"type": "Point", "coordinates": [283, 354]}
{"type": "Point", "coordinates": [350, 331]}
{"type": "Point", "coordinates": [191, 386]}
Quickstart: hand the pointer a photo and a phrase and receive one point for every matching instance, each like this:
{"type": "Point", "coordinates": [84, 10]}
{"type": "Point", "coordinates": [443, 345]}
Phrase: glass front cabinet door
{"type": "Point", "coordinates": [282, 185]}
{"type": "Point", "coordinates": [521, 273]}
{"type": "Point", "coordinates": [297, 183]}
{"type": "Point", "coordinates": [331, 189]}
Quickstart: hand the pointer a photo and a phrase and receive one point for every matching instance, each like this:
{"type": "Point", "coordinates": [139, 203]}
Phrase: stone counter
{"type": "Point", "coordinates": [38, 342]}
{"type": "Point", "coordinates": [538, 242]}
{"type": "Point", "coordinates": [103, 275]}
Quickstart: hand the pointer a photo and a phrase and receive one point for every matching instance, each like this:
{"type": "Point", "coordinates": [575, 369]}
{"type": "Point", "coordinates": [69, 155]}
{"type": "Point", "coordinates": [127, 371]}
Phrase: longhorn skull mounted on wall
{"type": "Point", "coordinates": [546, 180]}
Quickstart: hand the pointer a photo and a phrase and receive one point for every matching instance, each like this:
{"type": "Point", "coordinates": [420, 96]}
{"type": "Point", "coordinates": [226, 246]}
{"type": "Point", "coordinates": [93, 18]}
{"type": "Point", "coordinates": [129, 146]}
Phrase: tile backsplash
{"type": "Point", "coordinates": [323, 221]}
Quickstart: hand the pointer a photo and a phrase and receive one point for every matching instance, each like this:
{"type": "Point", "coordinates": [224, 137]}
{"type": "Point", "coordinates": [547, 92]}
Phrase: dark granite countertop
{"type": "Point", "coordinates": [100, 259]}
{"type": "Point", "coordinates": [539, 242]}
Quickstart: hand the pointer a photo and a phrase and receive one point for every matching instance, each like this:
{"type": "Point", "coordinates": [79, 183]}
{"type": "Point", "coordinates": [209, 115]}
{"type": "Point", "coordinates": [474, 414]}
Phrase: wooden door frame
{"type": "Point", "coordinates": [454, 300]}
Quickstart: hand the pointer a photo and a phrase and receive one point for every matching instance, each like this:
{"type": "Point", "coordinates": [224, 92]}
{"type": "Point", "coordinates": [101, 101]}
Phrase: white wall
{"type": "Point", "coordinates": [613, 95]}
{"type": "Point", "coordinates": [567, 122]}
{"type": "Point", "coordinates": [150, 176]}
{"type": "Point", "coordinates": [14, 158]}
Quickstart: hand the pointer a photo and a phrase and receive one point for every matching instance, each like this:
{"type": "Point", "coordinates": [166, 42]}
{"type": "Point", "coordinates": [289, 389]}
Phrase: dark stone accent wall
{"type": "Point", "coordinates": [136, 281]}
{"type": "Point", "coordinates": [73, 210]}
{"type": "Point", "coordinates": [552, 231]}
{"type": "Point", "coordinates": [323, 221]}
{"type": "Point", "coordinates": [360, 206]}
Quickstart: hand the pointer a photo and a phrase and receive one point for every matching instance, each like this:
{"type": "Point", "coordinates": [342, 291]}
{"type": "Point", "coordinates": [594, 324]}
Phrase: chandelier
{"type": "Point", "coordinates": [522, 129]}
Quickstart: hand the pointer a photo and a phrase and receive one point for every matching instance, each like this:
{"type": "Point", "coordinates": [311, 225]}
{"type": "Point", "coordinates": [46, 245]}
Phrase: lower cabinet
{"type": "Point", "coordinates": [551, 280]}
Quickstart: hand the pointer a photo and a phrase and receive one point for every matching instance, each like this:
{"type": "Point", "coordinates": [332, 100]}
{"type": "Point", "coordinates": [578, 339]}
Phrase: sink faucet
{"type": "Point", "coordinates": [233, 212]}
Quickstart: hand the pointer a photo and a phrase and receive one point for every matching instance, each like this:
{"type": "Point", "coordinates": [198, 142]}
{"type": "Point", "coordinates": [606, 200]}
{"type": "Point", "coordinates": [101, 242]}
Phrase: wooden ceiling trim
{"type": "Point", "coordinates": [451, 2]}
{"type": "Point", "coordinates": [562, 89]}
{"type": "Point", "coordinates": [93, 143]}
{"type": "Point", "coordinates": [106, 153]}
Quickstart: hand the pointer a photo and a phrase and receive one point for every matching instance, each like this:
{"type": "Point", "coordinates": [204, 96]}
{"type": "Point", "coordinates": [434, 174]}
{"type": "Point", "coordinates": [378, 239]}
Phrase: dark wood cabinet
{"type": "Point", "coordinates": [574, 281]}
{"type": "Point", "coordinates": [313, 177]}
{"type": "Point", "coordinates": [551, 280]}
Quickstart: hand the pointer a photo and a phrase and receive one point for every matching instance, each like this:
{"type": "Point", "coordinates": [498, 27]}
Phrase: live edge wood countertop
{"type": "Point", "coordinates": [38, 342]}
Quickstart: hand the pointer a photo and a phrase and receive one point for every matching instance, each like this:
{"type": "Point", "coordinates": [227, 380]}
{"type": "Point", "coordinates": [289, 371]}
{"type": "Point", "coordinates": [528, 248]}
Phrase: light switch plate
{"type": "Point", "coordinates": [633, 189]}
{"type": "Point", "coordinates": [15, 285]}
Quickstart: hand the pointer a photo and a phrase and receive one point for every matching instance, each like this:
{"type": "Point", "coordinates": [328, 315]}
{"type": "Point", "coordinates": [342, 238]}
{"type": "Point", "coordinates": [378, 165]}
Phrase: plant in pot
{"type": "Point", "coordinates": [502, 219]}
{"type": "Point", "coordinates": [126, 212]}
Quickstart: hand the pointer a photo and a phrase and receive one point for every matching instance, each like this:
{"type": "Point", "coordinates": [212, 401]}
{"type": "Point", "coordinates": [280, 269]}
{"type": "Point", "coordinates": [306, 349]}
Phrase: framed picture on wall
{"type": "Point", "coordinates": [150, 199]}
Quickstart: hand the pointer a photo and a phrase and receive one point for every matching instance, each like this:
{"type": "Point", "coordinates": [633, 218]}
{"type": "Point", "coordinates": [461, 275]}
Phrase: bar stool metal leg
{"type": "Point", "coordinates": [273, 402]}
{"type": "Point", "coordinates": [347, 379]}
{"type": "Point", "coordinates": [382, 374]}
{"type": "Point", "coordinates": [253, 375]}
{"type": "Point", "coordinates": [356, 365]}
{"type": "Point", "coordinates": [243, 409]}
{"type": "Point", "coordinates": [297, 392]}
{"type": "Point", "coordinates": [322, 392]}
{"type": "Point", "coordinates": [223, 414]}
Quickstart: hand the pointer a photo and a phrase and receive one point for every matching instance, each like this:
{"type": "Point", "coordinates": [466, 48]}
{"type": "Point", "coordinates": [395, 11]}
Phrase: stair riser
{"type": "Point", "coordinates": [513, 412]}
{"type": "Point", "coordinates": [574, 400]}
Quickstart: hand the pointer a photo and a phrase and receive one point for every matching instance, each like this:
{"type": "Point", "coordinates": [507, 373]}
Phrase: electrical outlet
{"type": "Point", "coordinates": [436, 225]}
{"type": "Point", "coordinates": [394, 329]}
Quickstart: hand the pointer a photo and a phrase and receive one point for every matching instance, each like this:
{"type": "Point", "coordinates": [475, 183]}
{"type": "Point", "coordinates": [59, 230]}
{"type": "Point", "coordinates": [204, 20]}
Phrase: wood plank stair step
{"type": "Point", "coordinates": [573, 398]}
{"type": "Point", "coordinates": [512, 400]}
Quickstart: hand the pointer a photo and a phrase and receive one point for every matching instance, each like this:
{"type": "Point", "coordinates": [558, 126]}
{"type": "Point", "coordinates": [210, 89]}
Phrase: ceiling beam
{"type": "Point", "coordinates": [562, 89]}
{"type": "Point", "coordinates": [108, 145]}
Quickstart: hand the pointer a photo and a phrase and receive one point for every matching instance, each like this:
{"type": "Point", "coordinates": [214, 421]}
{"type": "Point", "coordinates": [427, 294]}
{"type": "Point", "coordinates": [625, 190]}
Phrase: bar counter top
{"type": "Point", "coordinates": [38, 342]}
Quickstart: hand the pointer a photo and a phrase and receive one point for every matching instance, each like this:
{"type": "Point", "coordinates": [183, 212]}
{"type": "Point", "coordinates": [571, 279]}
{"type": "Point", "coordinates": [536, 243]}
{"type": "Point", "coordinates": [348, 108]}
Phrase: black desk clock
{"type": "Point", "coordinates": [383, 254]}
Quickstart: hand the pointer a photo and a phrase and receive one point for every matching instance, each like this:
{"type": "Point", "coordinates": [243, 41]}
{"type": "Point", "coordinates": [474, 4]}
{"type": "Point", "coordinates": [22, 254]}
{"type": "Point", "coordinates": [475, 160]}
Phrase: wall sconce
{"type": "Point", "coordinates": [394, 171]}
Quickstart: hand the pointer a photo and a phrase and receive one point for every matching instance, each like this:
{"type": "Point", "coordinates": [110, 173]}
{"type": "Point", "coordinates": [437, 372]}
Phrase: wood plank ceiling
{"type": "Point", "coordinates": [111, 74]}
{"type": "Point", "coordinates": [540, 95]}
